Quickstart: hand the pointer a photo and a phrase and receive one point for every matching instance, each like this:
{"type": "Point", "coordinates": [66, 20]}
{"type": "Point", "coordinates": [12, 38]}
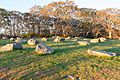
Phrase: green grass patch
{"type": "Point", "coordinates": [68, 58]}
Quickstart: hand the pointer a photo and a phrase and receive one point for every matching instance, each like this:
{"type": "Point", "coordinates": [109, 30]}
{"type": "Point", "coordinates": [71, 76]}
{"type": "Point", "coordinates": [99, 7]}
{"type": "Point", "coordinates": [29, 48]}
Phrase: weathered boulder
{"type": "Point", "coordinates": [59, 39]}
{"type": "Point", "coordinates": [11, 47]}
{"type": "Point", "coordinates": [41, 48]}
{"type": "Point", "coordinates": [94, 40]}
{"type": "Point", "coordinates": [101, 53]}
{"type": "Point", "coordinates": [102, 39]}
{"type": "Point", "coordinates": [32, 42]}
{"type": "Point", "coordinates": [44, 39]}
{"type": "Point", "coordinates": [83, 43]}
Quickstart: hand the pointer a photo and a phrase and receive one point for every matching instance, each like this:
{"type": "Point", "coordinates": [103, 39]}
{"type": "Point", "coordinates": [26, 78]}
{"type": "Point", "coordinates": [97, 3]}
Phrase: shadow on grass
{"type": "Point", "coordinates": [68, 50]}
{"type": "Point", "coordinates": [54, 69]}
{"type": "Point", "coordinates": [114, 49]}
{"type": "Point", "coordinates": [109, 43]}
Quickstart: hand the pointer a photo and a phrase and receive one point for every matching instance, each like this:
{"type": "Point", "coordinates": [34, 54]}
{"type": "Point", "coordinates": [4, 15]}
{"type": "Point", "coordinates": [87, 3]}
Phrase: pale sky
{"type": "Point", "coordinates": [24, 5]}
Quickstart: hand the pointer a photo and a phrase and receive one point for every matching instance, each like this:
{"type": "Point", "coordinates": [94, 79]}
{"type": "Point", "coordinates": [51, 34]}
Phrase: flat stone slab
{"type": "Point", "coordinates": [101, 53]}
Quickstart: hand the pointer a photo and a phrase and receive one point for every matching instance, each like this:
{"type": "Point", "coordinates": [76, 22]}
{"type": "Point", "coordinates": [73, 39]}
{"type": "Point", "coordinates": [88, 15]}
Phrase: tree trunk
{"type": "Point", "coordinates": [110, 34]}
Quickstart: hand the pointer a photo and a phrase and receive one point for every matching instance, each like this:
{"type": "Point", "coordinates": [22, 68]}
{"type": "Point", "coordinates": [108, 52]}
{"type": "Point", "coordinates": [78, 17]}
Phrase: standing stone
{"type": "Point", "coordinates": [41, 48]}
{"type": "Point", "coordinates": [68, 38]}
{"type": "Point", "coordinates": [77, 37]}
{"type": "Point", "coordinates": [32, 42]}
{"type": "Point", "coordinates": [11, 47]}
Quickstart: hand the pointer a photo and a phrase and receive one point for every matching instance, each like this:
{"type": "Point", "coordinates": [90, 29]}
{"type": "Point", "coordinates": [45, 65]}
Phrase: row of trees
{"type": "Point", "coordinates": [62, 18]}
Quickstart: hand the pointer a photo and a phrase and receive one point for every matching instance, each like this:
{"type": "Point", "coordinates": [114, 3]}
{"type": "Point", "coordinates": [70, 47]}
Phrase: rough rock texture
{"type": "Point", "coordinates": [32, 42]}
{"type": "Point", "coordinates": [59, 39]}
{"type": "Point", "coordinates": [41, 48]}
{"type": "Point", "coordinates": [44, 39]}
{"type": "Point", "coordinates": [68, 38]}
{"type": "Point", "coordinates": [101, 53]}
{"type": "Point", "coordinates": [83, 43]}
{"type": "Point", "coordinates": [11, 47]}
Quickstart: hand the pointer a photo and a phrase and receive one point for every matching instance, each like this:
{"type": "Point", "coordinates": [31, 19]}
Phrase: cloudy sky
{"type": "Point", "coordinates": [24, 5]}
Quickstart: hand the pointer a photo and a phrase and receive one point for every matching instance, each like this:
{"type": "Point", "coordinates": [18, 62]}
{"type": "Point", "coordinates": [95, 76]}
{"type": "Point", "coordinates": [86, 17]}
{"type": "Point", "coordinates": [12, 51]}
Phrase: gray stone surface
{"type": "Point", "coordinates": [41, 48]}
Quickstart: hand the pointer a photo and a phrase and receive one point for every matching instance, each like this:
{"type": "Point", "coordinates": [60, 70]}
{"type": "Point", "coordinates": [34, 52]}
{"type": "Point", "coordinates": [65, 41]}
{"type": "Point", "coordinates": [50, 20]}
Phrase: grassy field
{"type": "Point", "coordinates": [68, 58]}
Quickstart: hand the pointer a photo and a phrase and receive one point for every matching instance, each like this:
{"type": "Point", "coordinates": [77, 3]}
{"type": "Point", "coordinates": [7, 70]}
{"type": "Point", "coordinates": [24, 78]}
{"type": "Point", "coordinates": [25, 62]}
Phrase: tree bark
{"type": "Point", "coordinates": [110, 34]}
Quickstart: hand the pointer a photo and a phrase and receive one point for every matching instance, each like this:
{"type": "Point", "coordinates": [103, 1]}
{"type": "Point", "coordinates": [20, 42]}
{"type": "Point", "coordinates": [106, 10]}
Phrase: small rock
{"type": "Point", "coordinates": [102, 39]}
{"type": "Point", "coordinates": [59, 39]}
{"type": "Point", "coordinates": [4, 38]}
{"type": "Point", "coordinates": [44, 39]}
{"type": "Point", "coordinates": [41, 48]}
{"type": "Point", "coordinates": [12, 39]}
{"type": "Point", "coordinates": [32, 42]}
{"type": "Point", "coordinates": [11, 47]}
{"type": "Point", "coordinates": [94, 40]}
{"type": "Point", "coordinates": [77, 37]}
{"type": "Point", "coordinates": [83, 43]}
{"type": "Point", "coordinates": [53, 37]}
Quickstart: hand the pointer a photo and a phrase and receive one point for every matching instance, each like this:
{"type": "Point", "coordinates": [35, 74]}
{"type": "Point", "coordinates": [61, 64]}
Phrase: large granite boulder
{"type": "Point", "coordinates": [41, 48]}
{"type": "Point", "coordinates": [59, 39]}
{"type": "Point", "coordinates": [11, 47]}
{"type": "Point", "coordinates": [32, 42]}
{"type": "Point", "coordinates": [44, 39]}
{"type": "Point", "coordinates": [83, 43]}
{"type": "Point", "coordinates": [101, 53]}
